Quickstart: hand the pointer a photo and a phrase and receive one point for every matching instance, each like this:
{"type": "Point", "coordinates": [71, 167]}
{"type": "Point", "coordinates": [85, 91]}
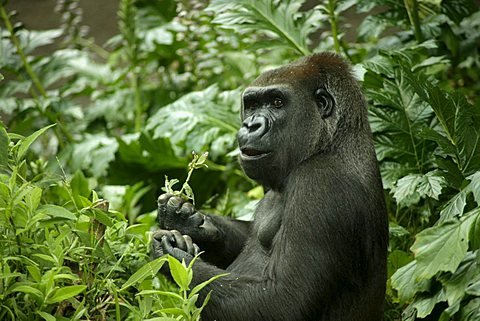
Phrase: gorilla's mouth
{"type": "Point", "coordinates": [253, 153]}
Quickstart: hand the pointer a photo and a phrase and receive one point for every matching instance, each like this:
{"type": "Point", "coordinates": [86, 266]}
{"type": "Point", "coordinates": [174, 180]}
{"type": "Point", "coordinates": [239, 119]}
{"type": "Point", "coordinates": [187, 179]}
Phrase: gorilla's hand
{"type": "Point", "coordinates": [174, 213]}
{"type": "Point", "coordinates": [174, 243]}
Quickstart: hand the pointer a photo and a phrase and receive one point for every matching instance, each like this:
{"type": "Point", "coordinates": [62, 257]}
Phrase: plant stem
{"type": "Point", "coordinates": [137, 101]}
{"type": "Point", "coordinates": [414, 18]}
{"type": "Point", "coordinates": [20, 52]}
{"type": "Point", "coordinates": [33, 76]}
{"type": "Point", "coordinates": [334, 24]}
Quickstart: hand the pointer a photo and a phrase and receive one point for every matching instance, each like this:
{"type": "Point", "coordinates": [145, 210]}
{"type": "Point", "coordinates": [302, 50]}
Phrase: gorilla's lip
{"type": "Point", "coordinates": [252, 153]}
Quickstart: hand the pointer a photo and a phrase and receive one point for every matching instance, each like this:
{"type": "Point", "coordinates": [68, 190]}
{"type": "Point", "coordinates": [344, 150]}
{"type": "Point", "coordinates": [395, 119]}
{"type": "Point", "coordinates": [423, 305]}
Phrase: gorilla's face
{"type": "Point", "coordinates": [282, 121]}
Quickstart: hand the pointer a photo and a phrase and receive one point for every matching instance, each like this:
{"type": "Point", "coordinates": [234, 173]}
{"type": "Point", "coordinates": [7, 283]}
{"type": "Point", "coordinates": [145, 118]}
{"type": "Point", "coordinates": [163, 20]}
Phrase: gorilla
{"type": "Point", "coordinates": [316, 249]}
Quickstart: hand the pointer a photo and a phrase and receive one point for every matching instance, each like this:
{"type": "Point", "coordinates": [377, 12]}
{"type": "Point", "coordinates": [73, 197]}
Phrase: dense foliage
{"type": "Point", "coordinates": [108, 121]}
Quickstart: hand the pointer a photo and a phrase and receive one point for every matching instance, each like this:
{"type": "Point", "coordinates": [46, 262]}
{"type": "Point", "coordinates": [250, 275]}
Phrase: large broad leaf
{"type": "Point", "coordinates": [153, 154]}
{"type": "Point", "coordinates": [281, 19]}
{"type": "Point", "coordinates": [94, 153]}
{"type": "Point", "coordinates": [405, 282]}
{"type": "Point", "coordinates": [459, 122]}
{"type": "Point", "coordinates": [456, 284]}
{"type": "Point", "coordinates": [456, 204]}
{"type": "Point", "coordinates": [397, 117]}
{"type": "Point", "coordinates": [411, 188]}
{"type": "Point", "coordinates": [198, 121]}
{"type": "Point", "coordinates": [443, 247]}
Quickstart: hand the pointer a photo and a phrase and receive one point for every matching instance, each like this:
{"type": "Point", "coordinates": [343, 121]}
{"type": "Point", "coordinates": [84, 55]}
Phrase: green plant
{"type": "Point", "coordinates": [185, 299]}
{"type": "Point", "coordinates": [186, 191]}
{"type": "Point", "coordinates": [129, 113]}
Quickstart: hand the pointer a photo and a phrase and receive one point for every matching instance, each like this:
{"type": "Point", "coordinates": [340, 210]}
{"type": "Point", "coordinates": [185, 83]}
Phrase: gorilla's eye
{"type": "Point", "coordinates": [278, 102]}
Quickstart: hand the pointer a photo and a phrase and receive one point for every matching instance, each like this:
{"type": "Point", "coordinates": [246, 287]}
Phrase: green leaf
{"type": "Point", "coordinates": [25, 289]}
{"type": "Point", "coordinates": [405, 282]}
{"type": "Point", "coordinates": [199, 287]}
{"type": "Point", "coordinates": [32, 39]}
{"type": "Point", "coordinates": [471, 311]}
{"type": "Point", "coordinates": [455, 206]}
{"type": "Point", "coordinates": [80, 188]}
{"type": "Point", "coordinates": [174, 311]}
{"type": "Point", "coordinates": [282, 20]}
{"type": "Point", "coordinates": [94, 153]}
{"type": "Point", "coordinates": [169, 294]}
{"type": "Point", "coordinates": [456, 284]}
{"type": "Point", "coordinates": [424, 304]}
{"type": "Point", "coordinates": [56, 212]}
{"type": "Point", "coordinates": [458, 118]}
{"type": "Point", "coordinates": [4, 142]}
{"type": "Point", "coordinates": [148, 270]}
{"type": "Point", "coordinates": [25, 143]}
{"type": "Point", "coordinates": [411, 188]}
{"type": "Point", "coordinates": [32, 199]}
{"type": "Point", "coordinates": [153, 154]}
{"type": "Point", "coordinates": [442, 247]}
{"type": "Point", "coordinates": [46, 316]}
{"type": "Point", "coordinates": [431, 185]}
{"type": "Point", "coordinates": [198, 120]}
{"type": "Point", "coordinates": [179, 273]}
{"type": "Point", "coordinates": [405, 191]}
{"type": "Point", "coordinates": [45, 257]}
{"type": "Point", "coordinates": [65, 293]}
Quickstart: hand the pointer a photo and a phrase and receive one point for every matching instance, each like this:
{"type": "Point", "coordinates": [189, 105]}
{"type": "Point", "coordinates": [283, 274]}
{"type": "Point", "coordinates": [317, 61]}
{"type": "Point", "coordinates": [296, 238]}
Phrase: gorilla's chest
{"type": "Point", "coordinates": [268, 218]}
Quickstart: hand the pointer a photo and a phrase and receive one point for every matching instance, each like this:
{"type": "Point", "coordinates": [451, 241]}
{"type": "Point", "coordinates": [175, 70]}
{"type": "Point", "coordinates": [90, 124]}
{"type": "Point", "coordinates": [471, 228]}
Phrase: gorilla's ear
{"type": "Point", "coordinates": [325, 102]}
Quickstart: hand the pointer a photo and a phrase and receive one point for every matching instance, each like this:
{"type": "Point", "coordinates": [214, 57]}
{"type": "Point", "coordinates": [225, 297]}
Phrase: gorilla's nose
{"type": "Point", "coordinates": [255, 126]}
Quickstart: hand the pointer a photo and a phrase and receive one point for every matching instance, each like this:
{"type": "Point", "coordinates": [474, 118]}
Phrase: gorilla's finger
{"type": "Point", "coordinates": [179, 240]}
{"type": "Point", "coordinates": [163, 199]}
{"type": "Point", "coordinates": [158, 235]}
{"type": "Point", "coordinates": [196, 249]}
{"type": "Point", "coordinates": [174, 203]}
{"type": "Point", "coordinates": [166, 245]}
{"type": "Point", "coordinates": [189, 245]}
{"type": "Point", "coordinates": [187, 209]}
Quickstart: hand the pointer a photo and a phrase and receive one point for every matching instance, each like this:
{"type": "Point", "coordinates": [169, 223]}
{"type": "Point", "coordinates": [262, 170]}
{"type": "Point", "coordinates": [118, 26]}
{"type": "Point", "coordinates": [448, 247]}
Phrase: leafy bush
{"type": "Point", "coordinates": [131, 112]}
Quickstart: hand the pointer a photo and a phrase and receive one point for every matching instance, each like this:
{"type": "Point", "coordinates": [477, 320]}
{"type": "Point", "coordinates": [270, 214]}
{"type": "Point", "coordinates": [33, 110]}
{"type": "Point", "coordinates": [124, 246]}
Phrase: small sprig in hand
{"type": "Point", "coordinates": [186, 192]}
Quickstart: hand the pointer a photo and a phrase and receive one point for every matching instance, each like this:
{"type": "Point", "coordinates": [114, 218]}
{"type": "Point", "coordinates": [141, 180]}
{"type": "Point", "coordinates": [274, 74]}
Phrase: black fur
{"type": "Point", "coordinates": [316, 249]}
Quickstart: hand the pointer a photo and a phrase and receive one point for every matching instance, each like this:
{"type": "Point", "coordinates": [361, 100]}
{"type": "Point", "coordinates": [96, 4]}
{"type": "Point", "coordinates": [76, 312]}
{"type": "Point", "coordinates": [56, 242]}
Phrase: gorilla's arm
{"type": "Point", "coordinates": [224, 250]}
{"type": "Point", "coordinates": [221, 238]}
{"type": "Point", "coordinates": [285, 287]}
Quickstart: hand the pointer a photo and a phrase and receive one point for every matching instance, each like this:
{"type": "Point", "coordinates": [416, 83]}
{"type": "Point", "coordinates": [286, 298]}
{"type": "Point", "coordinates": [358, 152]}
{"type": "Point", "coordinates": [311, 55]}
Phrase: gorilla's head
{"type": "Point", "coordinates": [296, 111]}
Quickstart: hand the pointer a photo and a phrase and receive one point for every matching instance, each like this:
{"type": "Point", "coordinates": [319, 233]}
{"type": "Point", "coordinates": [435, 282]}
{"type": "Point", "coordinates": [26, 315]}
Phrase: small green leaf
{"type": "Point", "coordinates": [148, 270]}
{"type": "Point", "coordinates": [65, 293]}
{"type": "Point", "coordinates": [46, 316]}
{"type": "Point", "coordinates": [179, 273]}
{"type": "Point", "coordinates": [199, 287]}
{"type": "Point", "coordinates": [25, 289]}
{"type": "Point", "coordinates": [25, 143]}
{"type": "Point", "coordinates": [169, 294]}
{"type": "Point", "coordinates": [174, 311]}
{"type": "Point", "coordinates": [56, 212]}
{"type": "Point", "coordinates": [33, 198]}
{"type": "Point", "coordinates": [34, 273]}
{"type": "Point", "coordinates": [45, 257]}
